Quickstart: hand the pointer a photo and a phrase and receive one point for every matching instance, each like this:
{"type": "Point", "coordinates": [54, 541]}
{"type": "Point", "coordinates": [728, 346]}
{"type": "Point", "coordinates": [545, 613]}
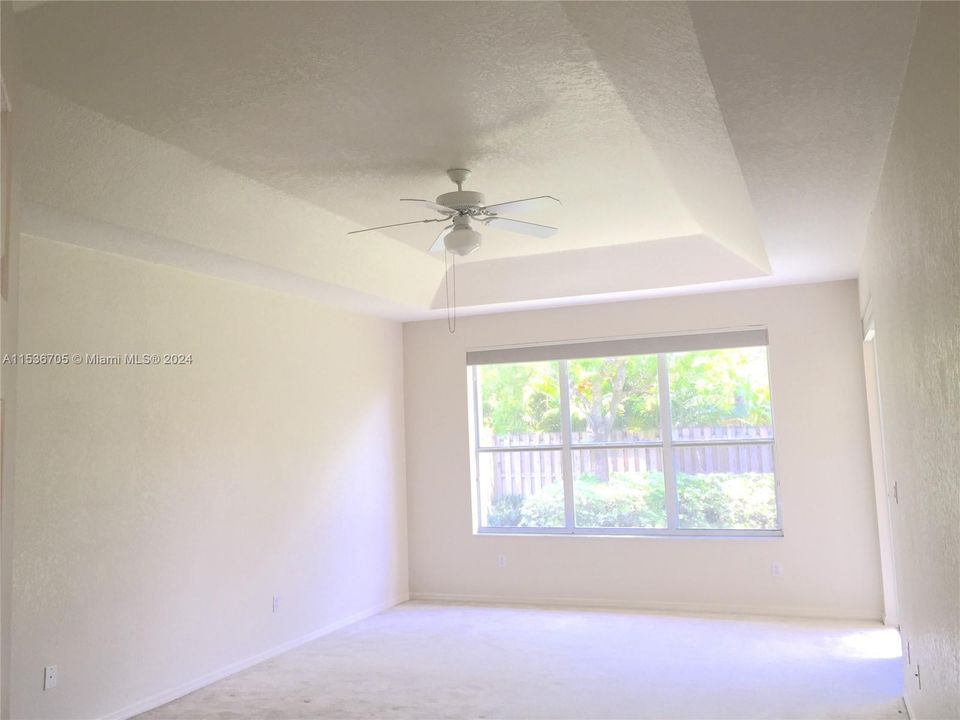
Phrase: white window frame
{"type": "Point", "coordinates": [666, 442]}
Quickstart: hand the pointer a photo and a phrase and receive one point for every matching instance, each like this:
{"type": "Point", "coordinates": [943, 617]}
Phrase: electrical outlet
{"type": "Point", "coordinates": [776, 569]}
{"type": "Point", "coordinates": [276, 603]}
{"type": "Point", "coordinates": [49, 677]}
{"type": "Point", "coordinates": [501, 561]}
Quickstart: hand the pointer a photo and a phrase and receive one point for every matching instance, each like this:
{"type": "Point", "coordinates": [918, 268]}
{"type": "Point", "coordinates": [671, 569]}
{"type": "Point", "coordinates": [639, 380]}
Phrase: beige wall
{"type": "Point", "coordinates": [159, 509]}
{"type": "Point", "coordinates": [829, 551]}
{"type": "Point", "coordinates": [13, 124]}
{"type": "Point", "coordinates": [911, 281]}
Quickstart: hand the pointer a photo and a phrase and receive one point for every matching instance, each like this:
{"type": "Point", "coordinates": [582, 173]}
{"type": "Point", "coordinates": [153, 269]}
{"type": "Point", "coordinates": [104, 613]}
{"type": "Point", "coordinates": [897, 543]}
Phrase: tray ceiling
{"type": "Point", "coordinates": [650, 121]}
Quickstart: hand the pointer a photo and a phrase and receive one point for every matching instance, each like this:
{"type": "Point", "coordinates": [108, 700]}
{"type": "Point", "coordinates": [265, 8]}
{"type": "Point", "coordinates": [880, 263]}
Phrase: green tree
{"type": "Point", "coordinates": [719, 387]}
{"type": "Point", "coordinates": [613, 394]}
{"type": "Point", "coordinates": [520, 397]}
{"type": "Point", "coordinates": [620, 394]}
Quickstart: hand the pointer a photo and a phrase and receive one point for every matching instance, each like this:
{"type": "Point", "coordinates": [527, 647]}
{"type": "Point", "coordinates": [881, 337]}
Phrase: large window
{"type": "Point", "coordinates": [648, 436]}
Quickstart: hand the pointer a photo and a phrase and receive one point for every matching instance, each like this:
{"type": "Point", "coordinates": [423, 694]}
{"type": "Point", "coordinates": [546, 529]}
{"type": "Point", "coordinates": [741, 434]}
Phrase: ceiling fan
{"type": "Point", "coordinates": [464, 209]}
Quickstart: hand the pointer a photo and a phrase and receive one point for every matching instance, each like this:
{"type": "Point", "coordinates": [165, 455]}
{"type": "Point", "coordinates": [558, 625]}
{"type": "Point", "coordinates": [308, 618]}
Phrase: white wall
{"type": "Point", "coordinates": [829, 550]}
{"type": "Point", "coordinates": [911, 280]}
{"type": "Point", "coordinates": [160, 508]}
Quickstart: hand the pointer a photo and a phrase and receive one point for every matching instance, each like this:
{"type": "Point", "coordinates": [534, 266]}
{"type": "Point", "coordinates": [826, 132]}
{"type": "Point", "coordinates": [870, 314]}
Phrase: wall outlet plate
{"type": "Point", "coordinates": [276, 603]}
{"type": "Point", "coordinates": [501, 561]}
{"type": "Point", "coordinates": [776, 569]}
{"type": "Point", "coordinates": [49, 677]}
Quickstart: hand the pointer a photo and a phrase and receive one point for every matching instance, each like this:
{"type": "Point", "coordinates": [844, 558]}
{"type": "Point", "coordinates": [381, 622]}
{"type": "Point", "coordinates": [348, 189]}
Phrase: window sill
{"type": "Point", "coordinates": [692, 534]}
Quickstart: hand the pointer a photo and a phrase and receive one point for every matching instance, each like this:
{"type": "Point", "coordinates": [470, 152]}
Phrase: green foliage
{"type": "Point", "coordinates": [719, 500]}
{"type": "Point", "coordinates": [627, 500]}
{"type": "Point", "coordinates": [520, 397]}
{"type": "Point", "coordinates": [505, 511]}
{"type": "Point", "coordinates": [745, 501]}
{"type": "Point", "coordinates": [545, 509]}
{"type": "Point", "coordinates": [608, 395]}
{"type": "Point", "coordinates": [611, 394]}
{"type": "Point", "coordinates": [717, 387]}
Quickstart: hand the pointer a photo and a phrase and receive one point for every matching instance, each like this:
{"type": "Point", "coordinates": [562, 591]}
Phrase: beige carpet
{"type": "Point", "coordinates": [423, 660]}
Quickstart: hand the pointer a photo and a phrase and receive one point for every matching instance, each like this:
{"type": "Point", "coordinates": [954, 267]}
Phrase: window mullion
{"type": "Point", "coordinates": [566, 455]}
{"type": "Point", "coordinates": [475, 470]}
{"type": "Point", "coordinates": [666, 434]}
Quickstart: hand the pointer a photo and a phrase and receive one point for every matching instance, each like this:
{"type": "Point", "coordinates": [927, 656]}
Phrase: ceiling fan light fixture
{"type": "Point", "coordinates": [462, 240]}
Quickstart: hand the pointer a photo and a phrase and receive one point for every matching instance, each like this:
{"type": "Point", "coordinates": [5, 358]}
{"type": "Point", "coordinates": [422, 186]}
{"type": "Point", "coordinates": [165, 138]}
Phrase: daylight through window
{"type": "Point", "coordinates": [649, 436]}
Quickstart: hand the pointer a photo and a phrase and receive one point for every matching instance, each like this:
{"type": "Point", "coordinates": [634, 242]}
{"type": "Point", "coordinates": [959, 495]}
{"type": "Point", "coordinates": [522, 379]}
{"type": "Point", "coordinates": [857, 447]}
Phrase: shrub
{"type": "Point", "coordinates": [626, 500]}
{"type": "Point", "coordinates": [505, 511]}
{"type": "Point", "coordinates": [545, 509]}
{"type": "Point", "coordinates": [718, 500]}
{"type": "Point", "coordinates": [727, 500]}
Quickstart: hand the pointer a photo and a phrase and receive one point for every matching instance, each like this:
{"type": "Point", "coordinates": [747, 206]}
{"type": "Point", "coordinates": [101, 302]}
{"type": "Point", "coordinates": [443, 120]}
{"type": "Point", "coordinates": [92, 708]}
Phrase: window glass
{"type": "Point", "coordinates": [728, 487]}
{"type": "Point", "coordinates": [719, 394]}
{"type": "Point", "coordinates": [519, 404]}
{"type": "Point", "coordinates": [614, 400]}
{"type": "Point", "coordinates": [618, 488]}
{"type": "Point", "coordinates": [521, 488]}
{"type": "Point", "coordinates": [713, 470]}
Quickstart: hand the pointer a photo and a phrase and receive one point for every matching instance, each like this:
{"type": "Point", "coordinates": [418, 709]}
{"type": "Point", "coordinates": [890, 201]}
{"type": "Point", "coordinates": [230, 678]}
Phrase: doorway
{"type": "Point", "coordinates": [886, 494]}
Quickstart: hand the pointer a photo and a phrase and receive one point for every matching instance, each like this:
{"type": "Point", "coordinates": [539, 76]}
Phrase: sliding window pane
{"type": "Point", "coordinates": [519, 404]}
{"type": "Point", "coordinates": [614, 399]}
{"type": "Point", "coordinates": [729, 487]}
{"type": "Point", "coordinates": [720, 394]}
{"type": "Point", "coordinates": [618, 488]}
{"type": "Point", "coordinates": [521, 488]}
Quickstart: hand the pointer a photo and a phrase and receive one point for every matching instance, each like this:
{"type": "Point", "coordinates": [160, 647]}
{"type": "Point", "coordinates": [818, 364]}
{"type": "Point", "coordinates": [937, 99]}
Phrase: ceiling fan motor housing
{"type": "Point", "coordinates": [462, 200]}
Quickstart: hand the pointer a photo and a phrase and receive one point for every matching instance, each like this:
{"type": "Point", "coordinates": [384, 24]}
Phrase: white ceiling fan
{"type": "Point", "coordinates": [464, 209]}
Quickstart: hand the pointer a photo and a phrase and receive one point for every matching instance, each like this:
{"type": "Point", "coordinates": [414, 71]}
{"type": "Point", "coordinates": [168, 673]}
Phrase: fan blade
{"type": "Point", "coordinates": [438, 243]}
{"type": "Point", "coordinates": [383, 227]}
{"type": "Point", "coordinates": [442, 209]}
{"type": "Point", "coordinates": [522, 227]}
{"type": "Point", "coordinates": [524, 205]}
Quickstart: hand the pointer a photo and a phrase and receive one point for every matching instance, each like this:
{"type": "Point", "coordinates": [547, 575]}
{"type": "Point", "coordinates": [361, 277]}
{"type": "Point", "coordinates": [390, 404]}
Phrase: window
{"type": "Point", "coordinates": [647, 436]}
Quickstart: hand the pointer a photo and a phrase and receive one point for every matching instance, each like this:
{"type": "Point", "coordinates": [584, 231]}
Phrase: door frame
{"type": "Point", "coordinates": [886, 494]}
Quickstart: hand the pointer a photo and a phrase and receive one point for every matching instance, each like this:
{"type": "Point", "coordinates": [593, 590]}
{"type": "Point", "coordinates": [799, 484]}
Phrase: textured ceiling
{"type": "Point", "coordinates": [354, 105]}
{"type": "Point", "coordinates": [759, 127]}
{"type": "Point", "coordinates": [809, 92]}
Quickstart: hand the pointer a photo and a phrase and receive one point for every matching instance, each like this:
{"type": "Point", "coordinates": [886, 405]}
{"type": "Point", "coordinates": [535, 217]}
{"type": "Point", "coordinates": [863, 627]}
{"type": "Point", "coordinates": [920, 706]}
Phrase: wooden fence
{"type": "Point", "coordinates": [527, 471]}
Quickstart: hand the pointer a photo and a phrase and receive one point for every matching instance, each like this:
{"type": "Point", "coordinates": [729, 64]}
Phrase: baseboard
{"type": "Point", "coordinates": [162, 698]}
{"type": "Point", "coordinates": [655, 606]}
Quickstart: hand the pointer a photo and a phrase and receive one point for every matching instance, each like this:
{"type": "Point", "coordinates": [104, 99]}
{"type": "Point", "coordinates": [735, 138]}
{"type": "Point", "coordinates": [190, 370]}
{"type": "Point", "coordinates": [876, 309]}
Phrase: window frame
{"type": "Point", "coordinates": [666, 443]}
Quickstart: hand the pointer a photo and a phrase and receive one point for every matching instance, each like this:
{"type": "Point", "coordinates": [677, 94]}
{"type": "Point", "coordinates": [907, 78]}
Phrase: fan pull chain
{"type": "Point", "coordinates": [451, 310]}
